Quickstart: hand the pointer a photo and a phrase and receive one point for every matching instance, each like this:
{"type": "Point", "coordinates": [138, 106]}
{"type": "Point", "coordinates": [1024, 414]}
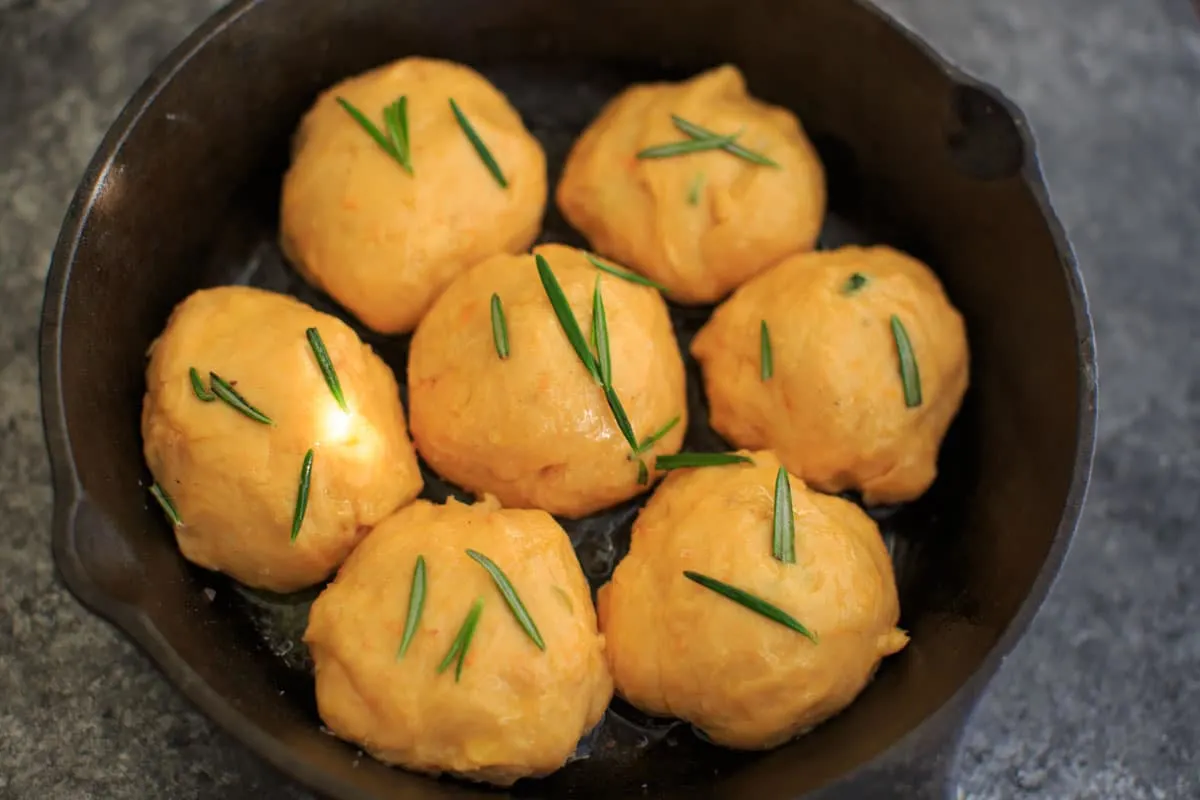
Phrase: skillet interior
{"type": "Point", "coordinates": [914, 159]}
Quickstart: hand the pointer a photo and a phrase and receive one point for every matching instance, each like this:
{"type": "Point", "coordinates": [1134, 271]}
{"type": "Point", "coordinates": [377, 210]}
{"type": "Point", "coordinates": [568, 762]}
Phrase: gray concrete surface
{"type": "Point", "coordinates": [1101, 699]}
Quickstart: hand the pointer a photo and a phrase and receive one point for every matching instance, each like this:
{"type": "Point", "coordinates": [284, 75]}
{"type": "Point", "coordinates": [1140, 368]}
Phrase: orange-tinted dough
{"type": "Point", "coordinates": [516, 711]}
{"type": "Point", "coordinates": [384, 243]}
{"type": "Point", "coordinates": [678, 649]}
{"type": "Point", "coordinates": [535, 429]}
{"type": "Point", "coordinates": [234, 481]}
{"type": "Point", "coordinates": [745, 217]}
{"type": "Point", "coordinates": [834, 410]}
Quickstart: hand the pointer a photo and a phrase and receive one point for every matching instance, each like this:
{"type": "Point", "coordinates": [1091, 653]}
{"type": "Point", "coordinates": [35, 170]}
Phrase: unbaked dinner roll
{"type": "Point", "coordinates": [232, 479]}
{"type": "Point", "coordinates": [678, 648]}
{"type": "Point", "coordinates": [381, 241]}
{"type": "Point", "coordinates": [838, 408]}
{"type": "Point", "coordinates": [506, 709]}
{"type": "Point", "coordinates": [533, 426]}
{"type": "Point", "coordinates": [699, 223]}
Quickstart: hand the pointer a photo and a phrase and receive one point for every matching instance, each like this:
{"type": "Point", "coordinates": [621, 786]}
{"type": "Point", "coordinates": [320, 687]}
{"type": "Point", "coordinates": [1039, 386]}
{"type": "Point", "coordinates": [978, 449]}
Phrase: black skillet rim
{"type": "Point", "coordinates": [68, 494]}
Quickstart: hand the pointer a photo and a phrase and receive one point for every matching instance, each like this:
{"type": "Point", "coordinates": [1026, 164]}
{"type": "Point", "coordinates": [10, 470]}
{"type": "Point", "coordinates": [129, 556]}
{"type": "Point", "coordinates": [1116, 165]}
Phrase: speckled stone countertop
{"type": "Point", "coordinates": [1101, 698]}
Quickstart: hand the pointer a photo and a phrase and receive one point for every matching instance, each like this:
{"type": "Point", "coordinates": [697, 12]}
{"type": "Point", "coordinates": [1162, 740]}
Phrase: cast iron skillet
{"type": "Point", "coordinates": [183, 193]}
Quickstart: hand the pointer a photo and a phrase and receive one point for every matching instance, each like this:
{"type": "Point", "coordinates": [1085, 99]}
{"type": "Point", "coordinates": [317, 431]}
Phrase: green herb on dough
{"type": "Point", "coordinates": [485, 155]}
{"type": "Point", "coordinates": [755, 604]}
{"type": "Point", "coordinates": [695, 460]}
{"type": "Point", "coordinates": [499, 328]}
{"type": "Point", "coordinates": [168, 507]}
{"type": "Point", "coordinates": [302, 494]}
{"type": "Point", "coordinates": [509, 592]}
{"type": "Point", "coordinates": [326, 366]}
{"type": "Point", "coordinates": [910, 375]}
{"type": "Point", "coordinates": [697, 132]}
{"type": "Point", "coordinates": [416, 604]}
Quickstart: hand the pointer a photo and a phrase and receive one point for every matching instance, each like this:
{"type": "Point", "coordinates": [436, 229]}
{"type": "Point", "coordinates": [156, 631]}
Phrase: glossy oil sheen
{"type": "Point", "coordinates": [185, 195]}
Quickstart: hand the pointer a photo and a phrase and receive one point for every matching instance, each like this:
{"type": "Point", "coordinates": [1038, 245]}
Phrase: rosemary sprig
{"type": "Point", "coordinates": [696, 132]}
{"type": "Point", "coordinates": [909, 373]}
{"type": "Point", "coordinates": [378, 135]}
{"type": "Point", "coordinates": [198, 387]}
{"type": "Point", "coordinates": [765, 360]}
{"type": "Point", "coordinates": [168, 507]}
{"type": "Point", "coordinates": [600, 335]}
{"type": "Point", "coordinates": [416, 604]}
{"type": "Point", "coordinates": [755, 604]}
{"type": "Point", "coordinates": [326, 364]}
{"type": "Point", "coordinates": [458, 648]}
{"type": "Point", "coordinates": [784, 545]}
{"type": "Point", "coordinates": [485, 155]}
{"type": "Point", "coordinates": [855, 282]}
{"type": "Point", "coordinates": [395, 117]}
{"type": "Point", "coordinates": [225, 392]}
{"type": "Point", "coordinates": [695, 145]}
{"type": "Point", "coordinates": [692, 460]}
{"type": "Point", "coordinates": [510, 596]}
{"type": "Point", "coordinates": [693, 196]}
{"type": "Point", "coordinates": [643, 473]}
{"type": "Point", "coordinates": [570, 326]}
{"type": "Point", "coordinates": [632, 277]}
{"type": "Point", "coordinates": [302, 494]}
{"type": "Point", "coordinates": [655, 437]}
{"type": "Point", "coordinates": [499, 327]}
{"type": "Point", "coordinates": [566, 317]}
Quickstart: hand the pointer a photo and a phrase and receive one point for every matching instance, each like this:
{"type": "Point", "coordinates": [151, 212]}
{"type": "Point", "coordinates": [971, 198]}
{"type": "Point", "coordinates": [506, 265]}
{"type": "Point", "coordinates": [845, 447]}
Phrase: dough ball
{"type": "Point", "coordinates": [679, 649]}
{"type": "Point", "coordinates": [515, 710]}
{"type": "Point", "coordinates": [534, 429]}
{"type": "Point", "coordinates": [703, 223]}
{"type": "Point", "coordinates": [384, 243]}
{"type": "Point", "coordinates": [835, 409]}
{"type": "Point", "coordinates": [235, 481]}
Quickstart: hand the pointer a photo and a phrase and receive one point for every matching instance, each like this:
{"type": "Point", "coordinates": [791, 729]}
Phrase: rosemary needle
{"type": "Point", "coordinates": [755, 604]}
{"type": "Point", "coordinates": [854, 283]}
{"type": "Point", "coordinates": [643, 473]}
{"type": "Point", "coordinates": [600, 335]}
{"type": "Point", "coordinates": [225, 392]}
{"type": "Point", "coordinates": [693, 196]}
{"type": "Point", "coordinates": [766, 361]}
{"type": "Point", "coordinates": [909, 373]}
{"type": "Point", "coordinates": [168, 507]}
{"type": "Point", "coordinates": [566, 317]}
{"type": "Point", "coordinates": [198, 387]}
{"type": "Point", "coordinates": [784, 520]}
{"type": "Point", "coordinates": [655, 437]}
{"type": "Point", "coordinates": [687, 146]}
{"type": "Point", "coordinates": [510, 596]}
{"type": "Point", "coordinates": [499, 327]}
{"type": "Point", "coordinates": [326, 366]}
{"type": "Point", "coordinates": [485, 155]}
{"type": "Point", "coordinates": [618, 412]}
{"type": "Point", "coordinates": [380, 139]}
{"type": "Point", "coordinates": [632, 277]}
{"type": "Point", "coordinates": [692, 460]}
{"type": "Point", "coordinates": [395, 117]}
{"type": "Point", "coordinates": [302, 494]}
{"type": "Point", "coordinates": [604, 364]}
{"type": "Point", "coordinates": [458, 649]}
{"type": "Point", "coordinates": [416, 604]}
{"type": "Point", "coordinates": [696, 132]}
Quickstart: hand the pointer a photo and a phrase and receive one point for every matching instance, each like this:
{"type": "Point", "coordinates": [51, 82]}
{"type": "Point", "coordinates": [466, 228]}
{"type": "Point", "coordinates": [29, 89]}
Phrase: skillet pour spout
{"type": "Point", "coordinates": [183, 194]}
